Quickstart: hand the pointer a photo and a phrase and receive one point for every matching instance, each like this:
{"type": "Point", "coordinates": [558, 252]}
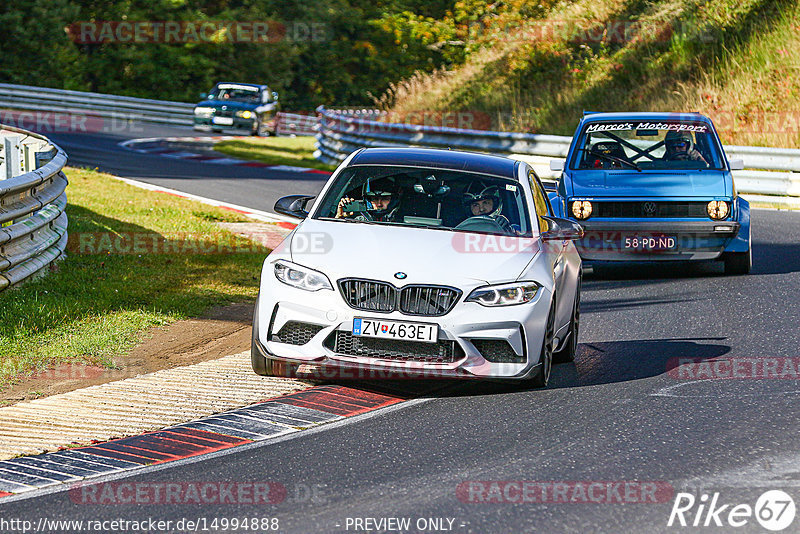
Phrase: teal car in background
{"type": "Point", "coordinates": [238, 107]}
{"type": "Point", "coordinates": [653, 187]}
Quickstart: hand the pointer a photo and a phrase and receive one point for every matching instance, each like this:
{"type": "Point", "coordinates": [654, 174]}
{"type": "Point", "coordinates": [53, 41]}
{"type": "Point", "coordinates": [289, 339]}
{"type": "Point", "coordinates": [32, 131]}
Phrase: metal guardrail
{"type": "Point", "coordinates": [122, 108]}
{"type": "Point", "coordinates": [296, 124]}
{"type": "Point", "coordinates": [30, 98]}
{"type": "Point", "coordinates": [343, 131]}
{"type": "Point", "coordinates": [33, 224]}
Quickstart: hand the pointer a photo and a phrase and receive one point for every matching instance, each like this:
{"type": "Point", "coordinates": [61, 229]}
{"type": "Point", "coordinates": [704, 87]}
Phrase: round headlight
{"type": "Point", "coordinates": [582, 209]}
{"type": "Point", "coordinates": [717, 209]}
{"type": "Point", "coordinates": [246, 114]}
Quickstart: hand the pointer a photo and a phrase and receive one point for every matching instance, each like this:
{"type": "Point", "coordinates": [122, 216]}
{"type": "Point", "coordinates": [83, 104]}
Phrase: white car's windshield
{"type": "Point", "coordinates": [432, 198]}
{"type": "Point", "coordinates": [647, 145]}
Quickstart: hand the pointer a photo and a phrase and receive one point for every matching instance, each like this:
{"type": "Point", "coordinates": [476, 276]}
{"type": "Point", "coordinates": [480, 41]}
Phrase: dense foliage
{"type": "Point", "coordinates": [321, 52]}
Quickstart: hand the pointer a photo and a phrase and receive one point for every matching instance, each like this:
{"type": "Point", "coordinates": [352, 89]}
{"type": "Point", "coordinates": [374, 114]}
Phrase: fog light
{"type": "Point", "coordinates": [582, 209]}
{"type": "Point", "coordinates": [717, 209]}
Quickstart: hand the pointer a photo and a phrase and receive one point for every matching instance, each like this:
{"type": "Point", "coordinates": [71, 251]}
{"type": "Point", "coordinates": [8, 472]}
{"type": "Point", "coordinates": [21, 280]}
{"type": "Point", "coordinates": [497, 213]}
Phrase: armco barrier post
{"type": "Point", "coordinates": [11, 156]}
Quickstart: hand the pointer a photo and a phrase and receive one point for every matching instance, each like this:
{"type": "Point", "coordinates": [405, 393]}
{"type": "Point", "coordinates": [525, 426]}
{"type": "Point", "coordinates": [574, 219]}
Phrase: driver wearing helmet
{"type": "Point", "coordinates": [382, 202]}
{"type": "Point", "coordinates": [487, 203]}
{"type": "Point", "coordinates": [680, 147]}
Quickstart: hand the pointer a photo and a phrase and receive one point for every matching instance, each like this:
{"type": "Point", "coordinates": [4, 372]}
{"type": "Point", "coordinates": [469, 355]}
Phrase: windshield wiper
{"type": "Point", "coordinates": [612, 158]}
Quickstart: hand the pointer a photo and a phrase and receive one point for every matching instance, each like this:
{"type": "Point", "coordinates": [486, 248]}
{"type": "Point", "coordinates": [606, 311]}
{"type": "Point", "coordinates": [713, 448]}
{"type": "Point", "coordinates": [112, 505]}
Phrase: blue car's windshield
{"type": "Point", "coordinates": [647, 145]}
{"type": "Point", "coordinates": [430, 198]}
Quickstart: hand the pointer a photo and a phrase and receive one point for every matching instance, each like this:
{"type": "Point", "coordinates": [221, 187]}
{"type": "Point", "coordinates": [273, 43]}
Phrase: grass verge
{"type": "Point", "coordinates": [734, 60]}
{"type": "Point", "coordinates": [296, 151]}
{"type": "Point", "coordinates": [97, 303]}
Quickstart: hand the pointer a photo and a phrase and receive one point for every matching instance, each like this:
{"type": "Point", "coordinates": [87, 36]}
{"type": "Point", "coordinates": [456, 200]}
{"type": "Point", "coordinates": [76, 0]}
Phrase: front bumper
{"type": "Point", "coordinates": [521, 327]}
{"type": "Point", "coordinates": [205, 124]}
{"type": "Point", "coordinates": [605, 239]}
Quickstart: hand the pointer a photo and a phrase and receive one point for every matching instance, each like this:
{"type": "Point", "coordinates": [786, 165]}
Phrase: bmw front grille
{"type": "Point", "coordinates": [420, 300]}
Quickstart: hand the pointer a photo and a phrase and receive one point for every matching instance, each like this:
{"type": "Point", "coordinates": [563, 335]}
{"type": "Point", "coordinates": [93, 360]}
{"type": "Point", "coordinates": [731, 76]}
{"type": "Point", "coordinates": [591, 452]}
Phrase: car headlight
{"type": "Point", "coordinates": [504, 294]}
{"type": "Point", "coordinates": [582, 209]}
{"type": "Point", "coordinates": [203, 112]}
{"type": "Point", "coordinates": [246, 114]}
{"type": "Point", "coordinates": [301, 277]}
{"type": "Point", "coordinates": [718, 209]}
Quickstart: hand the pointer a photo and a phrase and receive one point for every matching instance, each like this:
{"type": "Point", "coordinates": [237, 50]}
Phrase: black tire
{"type": "Point", "coordinates": [568, 351]}
{"type": "Point", "coordinates": [737, 263]}
{"type": "Point", "coordinates": [262, 130]}
{"type": "Point", "coordinates": [216, 130]}
{"type": "Point", "coordinates": [542, 376]}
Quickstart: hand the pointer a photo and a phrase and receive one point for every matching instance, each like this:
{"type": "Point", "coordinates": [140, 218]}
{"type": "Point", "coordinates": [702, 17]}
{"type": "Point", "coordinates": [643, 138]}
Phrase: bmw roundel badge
{"type": "Point", "coordinates": [400, 275]}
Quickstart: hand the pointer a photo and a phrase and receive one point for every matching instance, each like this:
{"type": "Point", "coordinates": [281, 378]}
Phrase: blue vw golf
{"type": "Point", "coordinates": [653, 187]}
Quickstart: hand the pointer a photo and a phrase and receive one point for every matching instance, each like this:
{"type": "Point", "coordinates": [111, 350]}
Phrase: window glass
{"type": "Point", "coordinates": [431, 198]}
{"type": "Point", "coordinates": [635, 146]}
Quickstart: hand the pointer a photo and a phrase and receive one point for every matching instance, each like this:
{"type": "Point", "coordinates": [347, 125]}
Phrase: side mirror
{"type": "Point", "coordinates": [561, 229]}
{"type": "Point", "coordinates": [556, 165]}
{"type": "Point", "coordinates": [736, 164]}
{"type": "Point", "coordinates": [293, 206]}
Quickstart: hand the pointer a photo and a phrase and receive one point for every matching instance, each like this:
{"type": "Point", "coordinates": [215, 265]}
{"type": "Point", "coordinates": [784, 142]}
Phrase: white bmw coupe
{"type": "Point", "coordinates": [421, 263]}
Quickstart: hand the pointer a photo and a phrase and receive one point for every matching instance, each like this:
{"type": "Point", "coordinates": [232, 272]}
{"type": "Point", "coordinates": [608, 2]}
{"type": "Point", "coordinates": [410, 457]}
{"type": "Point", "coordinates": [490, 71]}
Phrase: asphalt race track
{"type": "Point", "coordinates": [624, 413]}
{"type": "Point", "coordinates": [252, 187]}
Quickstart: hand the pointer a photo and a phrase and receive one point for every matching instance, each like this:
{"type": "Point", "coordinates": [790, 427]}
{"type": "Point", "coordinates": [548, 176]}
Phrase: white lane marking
{"type": "Point", "coordinates": [181, 155]}
{"type": "Point", "coordinates": [250, 212]}
{"type": "Point", "coordinates": [289, 168]}
{"type": "Point", "coordinates": [225, 161]}
{"type": "Point", "coordinates": [670, 391]}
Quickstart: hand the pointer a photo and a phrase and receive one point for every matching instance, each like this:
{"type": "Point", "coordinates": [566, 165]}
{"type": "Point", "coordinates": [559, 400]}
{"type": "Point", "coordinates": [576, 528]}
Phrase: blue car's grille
{"type": "Point", "coordinates": [648, 209]}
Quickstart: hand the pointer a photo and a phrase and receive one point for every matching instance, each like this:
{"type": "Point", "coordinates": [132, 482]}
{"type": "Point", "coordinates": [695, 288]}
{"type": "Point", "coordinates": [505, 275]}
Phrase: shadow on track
{"type": "Point", "coordinates": [776, 258]}
{"type": "Point", "coordinates": [596, 363]}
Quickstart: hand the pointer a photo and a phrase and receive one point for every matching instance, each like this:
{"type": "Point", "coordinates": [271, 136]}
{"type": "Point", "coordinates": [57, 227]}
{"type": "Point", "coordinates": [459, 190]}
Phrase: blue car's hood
{"type": "Point", "coordinates": [649, 184]}
{"type": "Point", "coordinates": [231, 104]}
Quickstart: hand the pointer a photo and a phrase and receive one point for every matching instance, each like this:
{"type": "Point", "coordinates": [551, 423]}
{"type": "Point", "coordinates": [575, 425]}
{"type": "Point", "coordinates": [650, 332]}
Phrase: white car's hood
{"type": "Point", "coordinates": [378, 252]}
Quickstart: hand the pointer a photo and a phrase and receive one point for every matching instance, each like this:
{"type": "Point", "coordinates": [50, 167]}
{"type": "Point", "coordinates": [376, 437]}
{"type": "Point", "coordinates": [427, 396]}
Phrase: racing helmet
{"type": "Point", "coordinates": [675, 140]}
{"type": "Point", "coordinates": [489, 193]}
{"type": "Point", "coordinates": [381, 188]}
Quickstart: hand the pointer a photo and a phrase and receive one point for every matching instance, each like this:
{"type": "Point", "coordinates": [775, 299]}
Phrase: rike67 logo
{"type": "Point", "coordinates": [774, 510]}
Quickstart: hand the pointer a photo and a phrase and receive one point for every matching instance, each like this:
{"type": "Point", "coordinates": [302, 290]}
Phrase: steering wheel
{"type": "Point", "coordinates": [481, 223]}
